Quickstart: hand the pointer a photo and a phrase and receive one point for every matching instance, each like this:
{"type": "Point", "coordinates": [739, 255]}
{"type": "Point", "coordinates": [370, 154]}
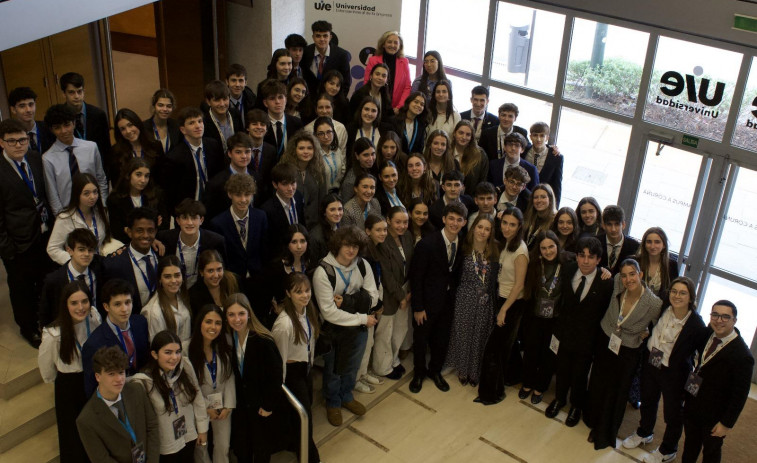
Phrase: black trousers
{"type": "Point", "coordinates": [69, 401]}
{"type": "Point", "coordinates": [538, 359]}
{"type": "Point", "coordinates": [572, 374]}
{"type": "Point", "coordinates": [432, 334]}
{"type": "Point", "coordinates": [300, 382]}
{"type": "Point", "coordinates": [26, 273]}
{"type": "Point", "coordinates": [185, 455]}
{"type": "Point", "coordinates": [253, 436]}
{"type": "Point", "coordinates": [698, 439]}
{"type": "Point", "coordinates": [497, 353]}
{"type": "Point", "coordinates": [656, 382]}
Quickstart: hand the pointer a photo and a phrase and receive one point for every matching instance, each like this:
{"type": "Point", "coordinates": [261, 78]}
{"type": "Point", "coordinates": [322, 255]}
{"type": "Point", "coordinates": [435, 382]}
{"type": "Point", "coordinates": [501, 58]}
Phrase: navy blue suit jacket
{"type": "Point", "coordinates": [278, 222]}
{"type": "Point", "coordinates": [208, 240]}
{"type": "Point", "coordinates": [490, 120]}
{"type": "Point", "coordinates": [293, 125]}
{"type": "Point", "coordinates": [551, 173]}
{"type": "Point", "coordinates": [338, 59]}
{"type": "Point", "coordinates": [103, 336]}
{"type": "Point", "coordinates": [430, 276]}
{"type": "Point", "coordinates": [628, 249]}
{"type": "Point", "coordinates": [211, 131]}
{"type": "Point", "coordinates": [497, 173]}
{"type": "Point", "coordinates": [119, 266]}
{"type": "Point", "coordinates": [488, 140]}
{"type": "Point", "coordinates": [241, 260]}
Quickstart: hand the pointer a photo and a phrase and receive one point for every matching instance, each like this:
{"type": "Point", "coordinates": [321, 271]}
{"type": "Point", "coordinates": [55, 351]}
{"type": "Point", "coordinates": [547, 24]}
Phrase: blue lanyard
{"type": "Point", "coordinates": [173, 400]}
{"type": "Point", "coordinates": [91, 286]}
{"type": "Point", "coordinates": [213, 369]}
{"type": "Point", "coordinates": [141, 153]}
{"type": "Point", "coordinates": [283, 137]}
{"type": "Point", "coordinates": [302, 264]}
{"type": "Point", "coordinates": [86, 320]}
{"type": "Point", "coordinates": [123, 344]}
{"type": "Point", "coordinates": [373, 133]}
{"type": "Point", "coordinates": [126, 425]}
{"type": "Point", "coordinates": [345, 280]}
{"type": "Point", "coordinates": [94, 223]}
{"type": "Point", "coordinates": [83, 122]}
{"type": "Point", "coordinates": [332, 168]}
{"type": "Point", "coordinates": [236, 347]}
{"type": "Point", "coordinates": [150, 286]}
{"type": "Point", "coordinates": [365, 211]}
{"type": "Point", "coordinates": [292, 212]}
{"type": "Point", "coordinates": [157, 135]}
{"type": "Point", "coordinates": [415, 134]}
{"type": "Point", "coordinates": [393, 199]}
{"type": "Point", "coordinates": [29, 180]}
{"type": "Point", "coordinates": [200, 163]}
{"type": "Point", "coordinates": [181, 256]}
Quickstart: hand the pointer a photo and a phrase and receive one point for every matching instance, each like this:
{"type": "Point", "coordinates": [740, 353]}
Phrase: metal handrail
{"type": "Point", "coordinates": [303, 422]}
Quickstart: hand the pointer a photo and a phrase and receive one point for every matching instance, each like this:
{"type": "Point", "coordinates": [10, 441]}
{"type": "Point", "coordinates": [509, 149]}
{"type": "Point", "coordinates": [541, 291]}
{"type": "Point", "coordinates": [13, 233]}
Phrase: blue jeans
{"type": "Point", "coordinates": [337, 389]}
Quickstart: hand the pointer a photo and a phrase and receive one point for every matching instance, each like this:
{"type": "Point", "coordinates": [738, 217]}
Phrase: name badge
{"type": "Point", "coordinates": [215, 401]}
{"type": "Point", "coordinates": [554, 344]}
{"type": "Point", "coordinates": [546, 308]}
{"type": "Point", "coordinates": [693, 383]}
{"type": "Point", "coordinates": [614, 344]}
{"type": "Point", "coordinates": [138, 453]}
{"type": "Point", "coordinates": [655, 358]}
{"type": "Point", "coordinates": [179, 427]}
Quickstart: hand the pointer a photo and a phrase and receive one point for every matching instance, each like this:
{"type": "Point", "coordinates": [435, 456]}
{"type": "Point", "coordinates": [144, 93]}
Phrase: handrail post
{"type": "Point", "coordinates": [303, 422]}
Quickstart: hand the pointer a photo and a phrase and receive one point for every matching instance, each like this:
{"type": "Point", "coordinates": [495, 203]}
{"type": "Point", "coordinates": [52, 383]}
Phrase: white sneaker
{"type": "Point", "coordinates": [657, 457]}
{"type": "Point", "coordinates": [365, 388]}
{"type": "Point", "coordinates": [635, 440]}
{"type": "Point", "coordinates": [371, 379]}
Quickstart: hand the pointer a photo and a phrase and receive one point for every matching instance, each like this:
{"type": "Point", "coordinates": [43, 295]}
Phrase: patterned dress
{"type": "Point", "coordinates": [473, 318]}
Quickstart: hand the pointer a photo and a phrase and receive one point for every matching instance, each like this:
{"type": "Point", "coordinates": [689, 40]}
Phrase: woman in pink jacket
{"type": "Point", "coordinates": [390, 50]}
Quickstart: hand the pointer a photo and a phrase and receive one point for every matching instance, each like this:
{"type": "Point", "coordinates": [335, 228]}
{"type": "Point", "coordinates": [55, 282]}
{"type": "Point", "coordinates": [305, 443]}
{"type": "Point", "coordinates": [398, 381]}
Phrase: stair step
{"type": "Point", "coordinates": [18, 363]}
{"type": "Point", "coordinates": [26, 414]}
{"type": "Point", "coordinates": [40, 448]}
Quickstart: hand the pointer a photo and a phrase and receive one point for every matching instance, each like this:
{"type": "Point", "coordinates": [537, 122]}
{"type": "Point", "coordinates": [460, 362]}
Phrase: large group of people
{"type": "Point", "coordinates": [348, 228]}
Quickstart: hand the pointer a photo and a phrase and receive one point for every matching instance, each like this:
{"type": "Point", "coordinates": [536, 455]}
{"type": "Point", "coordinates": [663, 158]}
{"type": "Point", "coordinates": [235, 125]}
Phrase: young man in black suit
{"type": "Point", "coordinates": [615, 244]}
{"type": "Point", "coordinates": [452, 185]}
{"type": "Point", "coordinates": [239, 153]}
{"type": "Point", "coordinates": [190, 165]}
{"type": "Point", "coordinates": [546, 159]}
{"type": "Point", "coordinates": [718, 388]}
{"type": "Point", "coordinates": [585, 297]}
{"type": "Point", "coordinates": [136, 263]}
{"type": "Point", "coordinates": [137, 427]}
{"type": "Point", "coordinates": [22, 102]}
{"type": "Point", "coordinates": [296, 44]}
{"type": "Point", "coordinates": [478, 115]}
{"type": "Point", "coordinates": [322, 56]}
{"type": "Point", "coordinates": [285, 207]}
{"type": "Point", "coordinates": [91, 121]}
{"type": "Point", "coordinates": [493, 139]}
{"type": "Point", "coordinates": [187, 241]}
{"type": "Point", "coordinates": [514, 145]}
{"type": "Point", "coordinates": [84, 265]}
{"type": "Point", "coordinates": [281, 126]}
{"type": "Point", "coordinates": [241, 97]}
{"type": "Point", "coordinates": [514, 192]}
{"type": "Point", "coordinates": [25, 224]}
{"type": "Point", "coordinates": [264, 155]}
{"type": "Point", "coordinates": [122, 327]}
{"type": "Point", "coordinates": [436, 262]}
{"type": "Point", "coordinates": [220, 119]}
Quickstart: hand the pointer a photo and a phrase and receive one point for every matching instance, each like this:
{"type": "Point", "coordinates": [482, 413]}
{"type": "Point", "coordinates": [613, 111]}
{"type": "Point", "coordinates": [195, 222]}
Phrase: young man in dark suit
{"type": "Point", "coordinates": [136, 263]}
{"type": "Point", "coordinates": [241, 97]}
{"type": "Point", "coordinates": [118, 423]}
{"type": "Point", "coordinates": [285, 207]}
{"type": "Point", "coordinates": [25, 224]}
{"type": "Point", "coordinates": [514, 145]}
{"type": "Point", "coordinates": [239, 153]}
{"type": "Point", "coordinates": [264, 155]}
{"type": "Point", "coordinates": [84, 265]}
{"type": "Point", "coordinates": [452, 185]}
{"type": "Point", "coordinates": [187, 241]}
{"type": "Point", "coordinates": [22, 102]}
{"type": "Point", "coordinates": [91, 121]}
{"type": "Point", "coordinates": [546, 158]}
{"type": "Point", "coordinates": [585, 297]}
{"type": "Point", "coordinates": [190, 165]}
{"type": "Point", "coordinates": [493, 139]}
{"type": "Point", "coordinates": [436, 262]}
{"type": "Point", "coordinates": [220, 119]}
{"type": "Point", "coordinates": [122, 327]}
{"type": "Point", "coordinates": [514, 192]}
{"type": "Point", "coordinates": [718, 388]}
{"type": "Point", "coordinates": [296, 44]}
{"type": "Point", "coordinates": [615, 244]}
{"type": "Point", "coordinates": [478, 115]}
{"type": "Point", "coordinates": [322, 56]}
{"type": "Point", "coordinates": [281, 126]}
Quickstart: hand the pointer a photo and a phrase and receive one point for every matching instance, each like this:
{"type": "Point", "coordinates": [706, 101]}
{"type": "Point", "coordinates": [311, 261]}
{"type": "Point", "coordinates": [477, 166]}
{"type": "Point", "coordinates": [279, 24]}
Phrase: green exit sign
{"type": "Point", "coordinates": [745, 23]}
{"type": "Point", "coordinates": [689, 140]}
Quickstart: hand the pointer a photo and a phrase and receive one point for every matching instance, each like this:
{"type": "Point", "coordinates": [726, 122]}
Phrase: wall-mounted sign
{"type": "Point", "coordinates": [690, 93]}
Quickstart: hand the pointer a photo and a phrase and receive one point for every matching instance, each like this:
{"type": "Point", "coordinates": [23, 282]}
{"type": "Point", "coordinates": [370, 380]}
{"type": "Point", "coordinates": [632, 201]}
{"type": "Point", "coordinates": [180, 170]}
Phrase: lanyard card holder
{"type": "Point", "coordinates": [655, 358]}
{"type": "Point", "coordinates": [554, 344]}
{"type": "Point", "coordinates": [215, 401]}
{"type": "Point", "coordinates": [614, 344]}
{"type": "Point", "coordinates": [546, 308]}
{"type": "Point", "coordinates": [138, 453]}
{"type": "Point", "coordinates": [179, 427]}
{"type": "Point", "coordinates": [693, 383]}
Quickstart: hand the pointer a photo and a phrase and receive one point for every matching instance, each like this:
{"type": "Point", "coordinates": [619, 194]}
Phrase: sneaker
{"type": "Point", "coordinates": [355, 407]}
{"type": "Point", "coordinates": [657, 457]}
{"type": "Point", "coordinates": [371, 379]}
{"type": "Point", "coordinates": [334, 415]}
{"type": "Point", "coordinates": [635, 440]}
{"type": "Point", "coordinates": [365, 388]}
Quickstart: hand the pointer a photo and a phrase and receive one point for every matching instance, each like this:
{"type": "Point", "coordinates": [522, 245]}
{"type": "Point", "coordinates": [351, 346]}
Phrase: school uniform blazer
{"type": "Point", "coordinates": [551, 172]}
{"type": "Point", "coordinates": [174, 134]}
{"type": "Point", "coordinates": [240, 260]}
{"type": "Point", "coordinates": [437, 207]}
{"type": "Point", "coordinates": [497, 173]}
{"type": "Point", "coordinates": [681, 360]}
{"type": "Point", "coordinates": [259, 385]}
{"type": "Point", "coordinates": [103, 336]}
{"type": "Point", "coordinates": [338, 59]}
{"type": "Point", "coordinates": [120, 206]}
{"type": "Point", "coordinates": [394, 270]}
{"type": "Point", "coordinates": [432, 282]}
{"type": "Point", "coordinates": [180, 174]}
{"type": "Point", "coordinates": [208, 240]}
{"type": "Point", "coordinates": [98, 131]}
{"type": "Point", "coordinates": [398, 126]}
{"type": "Point", "coordinates": [402, 80]}
{"type": "Point", "coordinates": [278, 222]}
{"type": "Point", "coordinates": [489, 120]}
{"type": "Point", "coordinates": [628, 249]}
{"type": "Point", "coordinates": [268, 159]}
{"type": "Point", "coordinates": [53, 285]}
{"type": "Point", "coordinates": [488, 140]}
{"type": "Point", "coordinates": [578, 320]}
{"type": "Point", "coordinates": [726, 379]}
{"type": "Point", "coordinates": [293, 125]}
{"type": "Point", "coordinates": [104, 437]}
{"type": "Point", "coordinates": [120, 266]}
{"type": "Point", "coordinates": [211, 131]}
{"type": "Point", "coordinates": [20, 223]}
{"type": "Point", "coordinates": [479, 173]}
{"type": "Point", "coordinates": [312, 192]}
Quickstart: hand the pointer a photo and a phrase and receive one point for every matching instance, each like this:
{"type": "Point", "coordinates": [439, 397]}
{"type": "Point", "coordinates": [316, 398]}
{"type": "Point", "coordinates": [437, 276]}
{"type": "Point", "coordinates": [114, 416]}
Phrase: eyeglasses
{"type": "Point", "coordinates": [675, 292]}
{"type": "Point", "coordinates": [514, 183]}
{"type": "Point", "coordinates": [327, 133]}
{"type": "Point", "coordinates": [723, 316]}
{"type": "Point", "coordinates": [17, 141]}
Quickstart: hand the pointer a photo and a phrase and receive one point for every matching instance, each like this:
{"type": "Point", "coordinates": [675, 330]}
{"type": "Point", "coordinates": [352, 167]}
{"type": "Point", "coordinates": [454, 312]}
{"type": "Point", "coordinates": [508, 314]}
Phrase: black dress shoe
{"type": "Point", "coordinates": [395, 374]}
{"type": "Point", "coordinates": [523, 393]}
{"type": "Point", "coordinates": [536, 398]}
{"type": "Point", "coordinates": [591, 437]}
{"type": "Point", "coordinates": [416, 384]}
{"type": "Point", "coordinates": [463, 381]}
{"type": "Point", "coordinates": [635, 405]}
{"type": "Point", "coordinates": [439, 381]}
{"type": "Point", "coordinates": [33, 338]}
{"type": "Point", "coordinates": [554, 408]}
{"type": "Point", "coordinates": [574, 416]}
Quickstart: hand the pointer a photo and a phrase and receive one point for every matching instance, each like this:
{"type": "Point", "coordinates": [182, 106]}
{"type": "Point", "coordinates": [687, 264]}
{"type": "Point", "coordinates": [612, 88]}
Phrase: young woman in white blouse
{"type": "Point", "coordinates": [334, 157]}
{"type": "Point", "coordinates": [168, 308]}
{"type": "Point", "coordinates": [60, 362]}
{"type": "Point", "coordinates": [295, 332]}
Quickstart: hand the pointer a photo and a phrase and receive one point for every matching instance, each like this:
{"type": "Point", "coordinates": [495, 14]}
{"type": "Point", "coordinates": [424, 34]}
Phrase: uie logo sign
{"type": "Point", "coordinates": [322, 6]}
{"type": "Point", "coordinates": [673, 84]}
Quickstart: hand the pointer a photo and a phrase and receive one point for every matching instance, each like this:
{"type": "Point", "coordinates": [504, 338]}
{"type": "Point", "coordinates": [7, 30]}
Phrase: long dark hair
{"type": "Point", "coordinates": [196, 352]}
{"type": "Point", "coordinates": [427, 184]}
{"type": "Point", "coordinates": [325, 225]}
{"type": "Point", "coordinates": [571, 239]}
{"type": "Point", "coordinates": [643, 257]}
{"type": "Point", "coordinates": [492, 245]}
{"type": "Point", "coordinates": [389, 135]}
{"type": "Point", "coordinates": [122, 150]}
{"type": "Point", "coordinates": [286, 254]}
{"type": "Point", "coordinates": [229, 284]}
{"type": "Point", "coordinates": [358, 116]}
{"type": "Point", "coordinates": [535, 263]}
{"type": "Point", "coordinates": [278, 53]}
{"type": "Point", "coordinates": [170, 260]}
{"type": "Point", "coordinates": [471, 156]}
{"type": "Point", "coordinates": [305, 107]}
{"type": "Point", "coordinates": [512, 245]}
{"type": "Point", "coordinates": [159, 382]}
{"type": "Point", "coordinates": [123, 183]}
{"type": "Point", "coordinates": [593, 202]}
{"type": "Point", "coordinates": [293, 281]}
{"type": "Point", "coordinates": [68, 349]}
{"type": "Point", "coordinates": [433, 114]}
{"type": "Point", "coordinates": [402, 114]}
{"type": "Point", "coordinates": [423, 87]}
{"type": "Point", "coordinates": [78, 182]}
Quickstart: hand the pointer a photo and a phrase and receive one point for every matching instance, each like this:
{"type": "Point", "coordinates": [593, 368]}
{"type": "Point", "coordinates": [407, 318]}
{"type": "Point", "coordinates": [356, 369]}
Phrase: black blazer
{"type": "Point", "coordinates": [726, 379]}
{"type": "Point", "coordinates": [352, 133]}
{"type": "Point", "coordinates": [262, 174]}
{"type": "Point", "coordinates": [259, 385]}
{"type": "Point", "coordinates": [118, 265]}
{"type": "Point", "coordinates": [278, 222]}
{"type": "Point", "coordinates": [364, 91]}
{"type": "Point", "coordinates": [103, 436]}
{"type": "Point", "coordinates": [681, 360]}
{"type": "Point", "coordinates": [248, 104]}
{"type": "Point", "coordinates": [179, 175]}
{"type": "Point", "coordinates": [578, 321]}
{"type": "Point", "coordinates": [20, 223]}
{"type": "Point", "coordinates": [436, 209]}
{"type": "Point", "coordinates": [551, 172]}
{"type": "Point", "coordinates": [432, 283]}
{"type": "Point", "coordinates": [199, 294]}
{"type": "Point", "coordinates": [490, 120]}
{"type": "Point", "coordinates": [241, 260]}
{"type": "Point", "coordinates": [120, 206]}
{"type": "Point", "coordinates": [398, 126]}
{"type": "Point", "coordinates": [103, 336]}
{"type": "Point", "coordinates": [98, 131]}
{"type": "Point", "coordinates": [174, 134]}
{"type": "Point", "coordinates": [338, 59]}
{"type": "Point", "coordinates": [497, 173]}
{"type": "Point", "coordinates": [46, 137]}
{"type": "Point", "coordinates": [211, 131]}
{"type": "Point", "coordinates": [293, 124]}
{"type": "Point", "coordinates": [208, 240]}
{"type": "Point", "coordinates": [53, 285]}
{"type": "Point", "coordinates": [488, 140]}
{"type": "Point", "coordinates": [629, 248]}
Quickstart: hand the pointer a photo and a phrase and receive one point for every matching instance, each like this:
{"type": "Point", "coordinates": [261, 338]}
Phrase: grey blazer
{"type": "Point", "coordinates": [106, 440]}
{"type": "Point", "coordinates": [394, 274]}
{"type": "Point", "coordinates": [647, 311]}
